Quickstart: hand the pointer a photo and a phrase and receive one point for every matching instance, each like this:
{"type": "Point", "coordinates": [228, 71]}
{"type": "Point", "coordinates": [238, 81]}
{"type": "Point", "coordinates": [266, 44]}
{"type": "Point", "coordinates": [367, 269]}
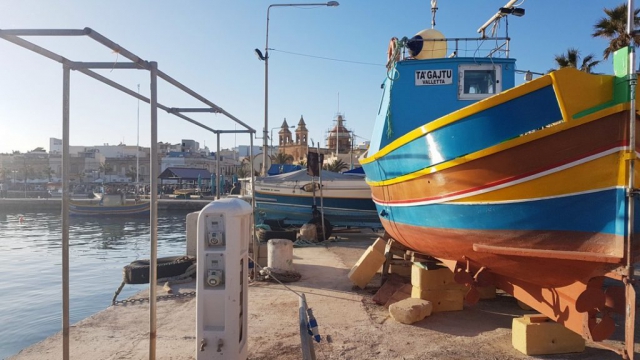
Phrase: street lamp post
{"type": "Point", "coordinates": [265, 58]}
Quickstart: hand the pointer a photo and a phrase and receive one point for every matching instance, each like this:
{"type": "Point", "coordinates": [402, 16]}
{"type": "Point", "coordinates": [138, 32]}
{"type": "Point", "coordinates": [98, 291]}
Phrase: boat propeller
{"type": "Point", "coordinates": [462, 275]}
{"type": "Point", "coordinates": [599, 305]}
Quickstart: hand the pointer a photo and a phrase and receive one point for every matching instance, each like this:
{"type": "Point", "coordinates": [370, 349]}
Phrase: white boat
{"type": "Point", "coordinates": [290, 197]}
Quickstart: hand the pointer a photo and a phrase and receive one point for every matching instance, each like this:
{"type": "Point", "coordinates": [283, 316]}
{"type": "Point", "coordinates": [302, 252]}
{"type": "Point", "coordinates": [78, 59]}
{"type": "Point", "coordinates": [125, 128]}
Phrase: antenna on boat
{"type": "Point", "coordinates": [434, 8]}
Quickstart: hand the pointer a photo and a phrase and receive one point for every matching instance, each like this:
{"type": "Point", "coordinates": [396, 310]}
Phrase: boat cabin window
{"type": "Point", "coordinates": [479, 81]}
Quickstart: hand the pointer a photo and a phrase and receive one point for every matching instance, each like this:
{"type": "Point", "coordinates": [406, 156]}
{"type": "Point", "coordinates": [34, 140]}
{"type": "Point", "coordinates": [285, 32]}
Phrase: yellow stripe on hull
{"type": "Point", "coordinates": [604, 172]}
{"type": "Point", "coordinates": [504, 146]}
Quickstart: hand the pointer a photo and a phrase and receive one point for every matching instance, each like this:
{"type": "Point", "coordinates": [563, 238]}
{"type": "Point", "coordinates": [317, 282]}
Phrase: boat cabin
{"type": "Point", "coordinates": [442, 86]}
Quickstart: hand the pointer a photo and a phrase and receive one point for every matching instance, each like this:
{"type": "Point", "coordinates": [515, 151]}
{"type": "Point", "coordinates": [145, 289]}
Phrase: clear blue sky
{"type": "Point", "coordinates": [208, 46]}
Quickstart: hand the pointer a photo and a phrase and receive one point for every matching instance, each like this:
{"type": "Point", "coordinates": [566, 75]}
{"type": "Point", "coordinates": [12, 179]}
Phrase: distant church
{"type": "Point", "coordinates": [339, 142]}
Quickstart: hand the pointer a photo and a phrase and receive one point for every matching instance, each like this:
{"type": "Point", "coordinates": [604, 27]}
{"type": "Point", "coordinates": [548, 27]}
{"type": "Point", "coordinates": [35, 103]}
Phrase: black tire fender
{"type": "Point", "coordinates": [138, 271]}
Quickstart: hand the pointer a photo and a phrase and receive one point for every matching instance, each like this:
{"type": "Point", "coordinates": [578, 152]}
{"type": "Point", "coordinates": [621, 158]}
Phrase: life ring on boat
{"type": "Point", "coordinates": [138, 271]}
{"type": "Point", "coordinates": [391, 50]}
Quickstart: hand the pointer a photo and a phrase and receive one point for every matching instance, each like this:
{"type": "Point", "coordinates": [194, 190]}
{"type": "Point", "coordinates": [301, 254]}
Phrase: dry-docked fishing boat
{"type": "Point", "coordinates": [529, 187]}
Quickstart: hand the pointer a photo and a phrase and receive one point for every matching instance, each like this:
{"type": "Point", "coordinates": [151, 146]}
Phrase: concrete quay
{"type": "Point", "coordinates": [352, 326]}
{"type": "Point", "coordinates": [55, 204]}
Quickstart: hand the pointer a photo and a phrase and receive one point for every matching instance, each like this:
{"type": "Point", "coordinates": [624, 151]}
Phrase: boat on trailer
{"type": "Point", "coordinates": [531, 188]}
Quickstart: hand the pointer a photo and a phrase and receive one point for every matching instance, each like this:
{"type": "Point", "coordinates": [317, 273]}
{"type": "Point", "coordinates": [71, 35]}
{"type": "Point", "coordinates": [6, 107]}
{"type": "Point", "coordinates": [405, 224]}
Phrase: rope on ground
{"type": "Point", "coordinates": [255, 264]}
{"type": "Point", "coordinates": [280, 275]}
{"type": "Point", "coordinates": [305, 243]}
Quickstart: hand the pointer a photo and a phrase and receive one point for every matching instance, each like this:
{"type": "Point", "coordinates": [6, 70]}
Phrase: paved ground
{"type": "Point", "coordinates": [353, 327]}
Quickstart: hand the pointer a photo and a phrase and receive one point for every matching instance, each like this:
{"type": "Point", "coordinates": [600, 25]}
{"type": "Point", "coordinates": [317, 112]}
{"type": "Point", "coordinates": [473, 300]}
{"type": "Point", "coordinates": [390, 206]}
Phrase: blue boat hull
{"type": "Point", "coordinates": [295, 210]}
{"type": "Point", "coordinates": [98, 210]}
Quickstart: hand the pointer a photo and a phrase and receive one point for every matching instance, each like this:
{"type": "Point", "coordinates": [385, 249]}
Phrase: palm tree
{"type": "Point", "coordinates": [613, 27]}
{"type": "Point", "coordinates": [336, 166]}
{"type": "Point", "coordinates": [131, 173]}
{"type": "Point", "coordinates": [105, 168]}
{"type": "Point", "coordinates": [49, 173]}
{"type": "Point", "coordinates": [3, 174]}
{"type": "Point", "coordinates": [243, 171]}
{"type": "Point", "coordinates": [282, 158]}
{"type": "Point", "coordinates": [572, 59]}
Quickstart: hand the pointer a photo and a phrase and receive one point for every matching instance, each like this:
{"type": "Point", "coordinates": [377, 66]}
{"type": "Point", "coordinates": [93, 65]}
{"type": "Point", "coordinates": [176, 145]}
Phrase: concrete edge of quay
{"type": "Point", "coordinates": [34, 205]}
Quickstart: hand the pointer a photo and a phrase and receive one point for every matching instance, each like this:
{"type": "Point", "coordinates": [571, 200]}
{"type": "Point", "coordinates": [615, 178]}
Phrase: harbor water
{"type": "Point", "coordinates": [30, 264]}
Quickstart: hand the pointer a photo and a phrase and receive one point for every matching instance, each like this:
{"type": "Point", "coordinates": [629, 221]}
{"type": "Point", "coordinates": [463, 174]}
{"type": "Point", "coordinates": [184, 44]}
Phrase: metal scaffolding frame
{"type": "Point", "coordinates": [137, 63]}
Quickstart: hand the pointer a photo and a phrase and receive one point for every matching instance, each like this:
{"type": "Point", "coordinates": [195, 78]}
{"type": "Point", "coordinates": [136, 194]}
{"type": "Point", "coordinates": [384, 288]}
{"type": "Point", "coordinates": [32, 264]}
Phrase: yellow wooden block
{"type": "Point", "coordinates": [400, 269]}
{"type": "Point", "coordinates": [380, 245]}
{"type": "Point", "coordinates": [366, 267]}
{"type": "Point", "coordinates": [441, 278]}
{"type": "Point", "coordinates": [442, 299]}
{"type": "Point", "coordinates": [487, 292]}
{"type": "Point", "coordinates": [535, 335]}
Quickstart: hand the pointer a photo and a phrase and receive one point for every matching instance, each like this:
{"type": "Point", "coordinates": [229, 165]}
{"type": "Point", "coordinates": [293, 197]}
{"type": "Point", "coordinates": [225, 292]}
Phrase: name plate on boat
{"type": "Point", "coordinates": [434, 77]}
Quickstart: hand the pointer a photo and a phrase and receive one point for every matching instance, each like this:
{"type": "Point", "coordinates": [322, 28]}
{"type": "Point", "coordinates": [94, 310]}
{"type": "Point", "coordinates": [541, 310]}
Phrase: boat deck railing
{"type": "Point", "coordinates": [470, 47]}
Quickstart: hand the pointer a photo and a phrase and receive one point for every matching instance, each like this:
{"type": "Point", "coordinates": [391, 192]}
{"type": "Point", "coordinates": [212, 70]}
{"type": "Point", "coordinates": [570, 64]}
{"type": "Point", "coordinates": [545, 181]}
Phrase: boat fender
{"type": "Point", "coordinates": [138, 271]}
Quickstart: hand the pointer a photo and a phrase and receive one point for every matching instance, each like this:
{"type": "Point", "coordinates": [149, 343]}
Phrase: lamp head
{"type": "Point", "coordinates": [259, 54]}
{"type": "Point", "coordinates": [333, 3]}
{"type": "Point", "coordinates": [511, 11]}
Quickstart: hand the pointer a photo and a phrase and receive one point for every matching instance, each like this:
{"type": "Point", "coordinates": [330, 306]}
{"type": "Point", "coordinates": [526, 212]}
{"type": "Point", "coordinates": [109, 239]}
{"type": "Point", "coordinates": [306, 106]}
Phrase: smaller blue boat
{"type": "Point", "coordinates": [110, 205]}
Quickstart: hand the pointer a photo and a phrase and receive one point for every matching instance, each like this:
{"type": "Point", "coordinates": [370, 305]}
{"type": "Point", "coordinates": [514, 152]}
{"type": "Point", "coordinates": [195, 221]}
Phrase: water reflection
{"type": "Point", "coordinates": [30, 261]}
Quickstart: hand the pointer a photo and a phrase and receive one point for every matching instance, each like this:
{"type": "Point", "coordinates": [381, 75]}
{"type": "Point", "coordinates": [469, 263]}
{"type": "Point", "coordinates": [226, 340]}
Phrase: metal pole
{"type": "Point", "coordinates": [218, 166]}
{"type": "Point", "coordinates": [630, 294]}
{"type": "Point", "coordinates": [153, 225]}
{"type": "Point", "coordinates": [306, 343]}
{"type": "Point", "coordinates": [254, 240]}
{"type": "Point", "coordinates": [66, 197]}
{"type": "Point", "coordinates": [351, 153]}
{"type": "Point", "coordinates": [321, 198]}
{"type": "Point", "coordinates": [266, 99]}
{"type": "Point", "coordinates": [138, 145]}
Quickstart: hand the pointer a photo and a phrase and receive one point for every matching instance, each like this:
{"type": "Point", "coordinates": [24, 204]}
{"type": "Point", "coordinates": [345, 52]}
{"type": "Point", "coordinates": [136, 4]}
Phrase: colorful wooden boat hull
{"type": "Point", "coordinates": [122, 210]}
{"type": "Point", "coordinates": [526, 188]}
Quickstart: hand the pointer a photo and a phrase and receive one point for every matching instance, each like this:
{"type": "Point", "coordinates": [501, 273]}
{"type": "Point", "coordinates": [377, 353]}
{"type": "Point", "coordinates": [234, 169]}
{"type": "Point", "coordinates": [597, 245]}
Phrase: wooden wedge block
{"type": "Point", "coordinates": [366, 267]}
{"type": "Point", "coordinates": [403, 293]}
{"type": "Point", "coordinates": [380, 245]}
{"type": "Point", "coordinates": [393, 284]}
